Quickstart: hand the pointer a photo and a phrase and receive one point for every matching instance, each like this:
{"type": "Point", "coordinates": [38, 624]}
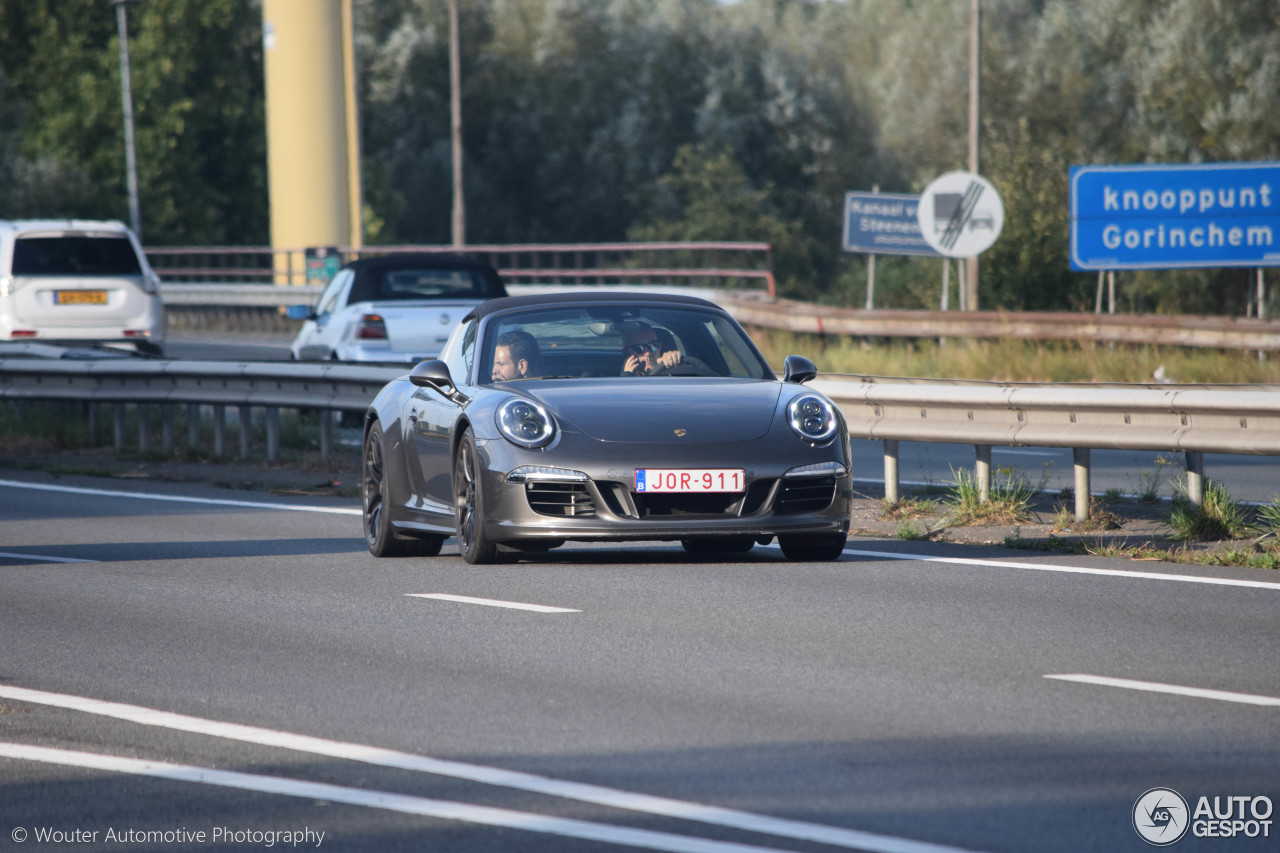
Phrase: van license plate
{"type": "Point", "coordinates": [80, 297]}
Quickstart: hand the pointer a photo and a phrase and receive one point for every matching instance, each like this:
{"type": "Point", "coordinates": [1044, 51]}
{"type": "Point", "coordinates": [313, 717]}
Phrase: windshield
{"type": "Point", "coordinates": [617, 340]}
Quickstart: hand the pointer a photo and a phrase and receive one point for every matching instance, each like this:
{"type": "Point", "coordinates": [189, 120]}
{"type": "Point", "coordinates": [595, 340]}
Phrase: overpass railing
{"type": "Point", "coordinates": [728, 265]}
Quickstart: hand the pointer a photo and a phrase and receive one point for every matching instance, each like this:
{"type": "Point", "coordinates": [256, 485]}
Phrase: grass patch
{"type": "Point", "coordinates": [1149, 482]}
{"type": "Point", "coordinates": [1009, 501]}
{"type": "Point", "coordinates": [1242, 557]}
{"type": "Point", "coordinates": [909, 531]}
{"type": "Point", "coordinates": [909, 508]}
{"type": "Point", "coordinates": [1268, 520]}
{"type": "Point", "coordinates": [1014, 360]}
{"type": "Point", "coordinates": [1217, 517]}
{"type": "Point", "coordinates": [1053, 543]}
{"type": "Point", "coordinates": [1100, 519]}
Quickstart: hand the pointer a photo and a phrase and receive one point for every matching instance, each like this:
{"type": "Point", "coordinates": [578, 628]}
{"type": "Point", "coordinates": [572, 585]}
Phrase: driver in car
{"type": "Point", "coordinates": [515, 356]}
{"type": "Point", "coordinates": [646, 353]}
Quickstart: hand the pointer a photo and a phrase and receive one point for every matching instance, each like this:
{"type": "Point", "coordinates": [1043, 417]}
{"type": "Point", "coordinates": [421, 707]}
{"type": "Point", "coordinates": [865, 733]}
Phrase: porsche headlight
{"type": "Point", "coordinates": [812, 418]}
{"type": "Point", "coordinates": [525, 423]}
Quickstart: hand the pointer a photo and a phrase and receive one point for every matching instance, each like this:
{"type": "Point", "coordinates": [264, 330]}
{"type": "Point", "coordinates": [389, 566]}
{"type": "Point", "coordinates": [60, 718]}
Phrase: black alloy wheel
{"type": "Point", "coordinates": [379, 535]}
{"type": "Point", "coordinates": [468, 491]}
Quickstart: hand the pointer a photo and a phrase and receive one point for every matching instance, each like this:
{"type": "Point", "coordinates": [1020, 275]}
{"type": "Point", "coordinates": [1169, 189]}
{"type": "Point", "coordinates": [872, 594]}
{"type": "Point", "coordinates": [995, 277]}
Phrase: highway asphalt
{"type": "Point", "coordinates": [178, 659]}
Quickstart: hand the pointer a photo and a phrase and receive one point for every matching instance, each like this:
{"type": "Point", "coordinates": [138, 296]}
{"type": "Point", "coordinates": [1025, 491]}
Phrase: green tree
{"type": "Point", "coordinates": [198, 106]}
{"type": "Point", "coordinates": [708, 196]}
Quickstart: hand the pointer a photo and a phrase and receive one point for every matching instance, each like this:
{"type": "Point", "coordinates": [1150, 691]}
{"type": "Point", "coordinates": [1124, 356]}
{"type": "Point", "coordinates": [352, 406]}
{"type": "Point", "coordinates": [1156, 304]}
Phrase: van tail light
{"type": "Point", "coordinates": [371, 328]}
{"type": "Point", "coordinates": [23, 333]}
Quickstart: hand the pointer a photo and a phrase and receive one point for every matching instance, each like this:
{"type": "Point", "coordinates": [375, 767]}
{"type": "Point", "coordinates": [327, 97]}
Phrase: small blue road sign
{"type": "Point", "coordinates": [883, 224]}
{"type": "Point", "coordinates": [1173, 217]}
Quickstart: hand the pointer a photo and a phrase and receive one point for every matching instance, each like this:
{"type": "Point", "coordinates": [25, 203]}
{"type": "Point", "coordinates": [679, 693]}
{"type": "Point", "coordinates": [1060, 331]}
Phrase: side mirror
{"type": "Point", "coordinates": [798, 369]}
{"type": "Point", "coordinates": [435, 374]}
{"type": "Point", "coordinates": [299, 312]}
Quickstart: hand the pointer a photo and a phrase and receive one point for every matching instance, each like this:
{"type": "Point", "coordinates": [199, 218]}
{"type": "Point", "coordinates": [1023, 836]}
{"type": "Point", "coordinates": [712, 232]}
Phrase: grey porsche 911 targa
{"type": "Point", "coordinates": [615, 417]}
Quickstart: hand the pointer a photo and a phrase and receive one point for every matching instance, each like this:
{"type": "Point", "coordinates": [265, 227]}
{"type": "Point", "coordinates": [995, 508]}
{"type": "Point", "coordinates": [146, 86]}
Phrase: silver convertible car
{"type": "Point", "coordinates": [616, 417]}
{"type": "Point", "coordinates": [396, 308]}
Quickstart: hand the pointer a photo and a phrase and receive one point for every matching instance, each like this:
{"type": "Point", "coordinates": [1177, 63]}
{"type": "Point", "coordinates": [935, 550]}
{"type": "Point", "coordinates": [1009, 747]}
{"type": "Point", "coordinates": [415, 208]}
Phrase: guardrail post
{"type": "Point", "coordinates": [166, 428]}
{"type": "Point", "coordinates": [193, 425]}
{"type": "Point", "coordinates": [326, 433]}
{"type": "Point", "coordinates": [1080, 461]}
{"type": "Point", "coordinates": [1195, 477]}
{"type": "Point", "coordinates": [93, 424]}
{"type": "Point", "coordinates": [273, 433]}
{"type": "Point", "coordinates": [219, 431]}
{"type": "Point", "coordinates": [117, 424]}
{"type": "Point", "coordinates": [245, 424]}
{"type": "Point", "coordinates": [891, 471]}
{"type": "Point", "coordinates": [144, 428]}
{"type": "Point", "coordinates": [982, 471]}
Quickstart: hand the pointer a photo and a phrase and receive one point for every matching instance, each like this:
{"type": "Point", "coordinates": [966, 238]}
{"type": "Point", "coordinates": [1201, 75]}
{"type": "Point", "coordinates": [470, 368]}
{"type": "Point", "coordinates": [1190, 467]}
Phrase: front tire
{"type": "Point", "coordinates": [379, 534]}
{"type": "Point", "coordinates": [469, 508]}
{"type": "Point", "coordinates": [820, 548]}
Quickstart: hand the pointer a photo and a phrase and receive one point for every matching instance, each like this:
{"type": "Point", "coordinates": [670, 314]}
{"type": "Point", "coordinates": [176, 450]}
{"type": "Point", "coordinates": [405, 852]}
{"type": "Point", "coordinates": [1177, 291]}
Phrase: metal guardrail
{"type": "Point", "coordinates": [1190, 419]}
{"type": "Point", "coordinates": [202, 386]}
{"type": "Point", "coordinates": [1193, 420]}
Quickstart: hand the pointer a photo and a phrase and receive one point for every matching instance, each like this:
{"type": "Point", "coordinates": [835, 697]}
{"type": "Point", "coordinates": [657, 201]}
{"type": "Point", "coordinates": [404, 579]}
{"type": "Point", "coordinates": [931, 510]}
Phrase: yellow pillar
{"type": "Point", "coordinates": [308, 144]}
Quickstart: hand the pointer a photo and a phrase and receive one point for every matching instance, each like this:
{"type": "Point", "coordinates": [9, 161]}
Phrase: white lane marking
{"type": "Point", "coordinates": [1078, 570]}
{"type": "Point", "coordinates": [492, 602]}
{"type": "Point", "coordinates": [1176, 689]}
{"type": "Point", "coordinates": [582, 792]}
{"type": "Point", "coordinates": [108, 493]}
{"type": "Point", "coordinates": [446, 809]}
{"type": "Point", "coordinates": [42, 558]}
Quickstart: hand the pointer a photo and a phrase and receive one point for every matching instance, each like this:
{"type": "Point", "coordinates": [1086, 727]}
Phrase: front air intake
{"type": "Point", "coordinates": [805, 494]}
{"type": "Point", "coordinates": [560, 499]}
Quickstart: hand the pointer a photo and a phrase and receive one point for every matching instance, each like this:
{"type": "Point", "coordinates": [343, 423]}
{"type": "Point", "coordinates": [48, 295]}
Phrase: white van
{"type": "Point", "coordinates": [78, 280]}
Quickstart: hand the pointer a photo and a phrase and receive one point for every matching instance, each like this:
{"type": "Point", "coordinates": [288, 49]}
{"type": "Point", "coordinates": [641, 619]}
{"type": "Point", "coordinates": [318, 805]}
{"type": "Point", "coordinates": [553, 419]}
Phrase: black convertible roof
{"type": "Point", "coordinates": [583, 297]}
{"type": "Point", "coordinates": [369, 272]}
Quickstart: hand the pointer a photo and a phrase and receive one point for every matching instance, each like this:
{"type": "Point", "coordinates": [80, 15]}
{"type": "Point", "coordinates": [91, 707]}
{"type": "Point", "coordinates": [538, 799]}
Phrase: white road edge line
{"type": "Point", "coordinates": [889, 555]}
{"type": "Point", "coordinates": [598, 794]}
{"type": "Point", "coordinates": [151, 496]}
{"type": "Point", "coordinates": [1079, 570]}
{"type": "Point", "coordinates": [445, 809]}
{"type": "Point", "coordinates": [1176, 689]}
{"type": "Point", "coordinates": [43, 559]}
{"type": "Point", "coordinates": [492, 602]}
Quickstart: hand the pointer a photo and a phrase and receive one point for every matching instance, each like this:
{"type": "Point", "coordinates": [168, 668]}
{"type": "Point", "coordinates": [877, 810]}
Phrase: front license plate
{"type": "Point", "coordinates": [80, 297]}
{"type": "Point", "coordinates": [690, 480]}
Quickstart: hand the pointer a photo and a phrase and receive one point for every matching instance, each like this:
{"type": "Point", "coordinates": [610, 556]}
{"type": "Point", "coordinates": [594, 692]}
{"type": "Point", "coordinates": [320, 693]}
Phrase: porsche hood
{"type": "Point", "coordinates": [658, 408]}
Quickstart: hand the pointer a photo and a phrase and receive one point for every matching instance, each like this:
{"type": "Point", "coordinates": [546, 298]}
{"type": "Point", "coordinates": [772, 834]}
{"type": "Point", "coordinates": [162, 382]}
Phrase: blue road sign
{"type": "Point", "coordinates": [1173, 217]}
{"type": "Point", "coordinates": [883, 224]}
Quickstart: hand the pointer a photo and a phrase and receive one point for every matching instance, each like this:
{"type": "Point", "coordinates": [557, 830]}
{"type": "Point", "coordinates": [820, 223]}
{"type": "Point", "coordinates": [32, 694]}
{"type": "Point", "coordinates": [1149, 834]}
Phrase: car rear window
{"type": "Point", "coordinates": [75, 255]}
{"type": "Point", "coordinates": [381, 284]}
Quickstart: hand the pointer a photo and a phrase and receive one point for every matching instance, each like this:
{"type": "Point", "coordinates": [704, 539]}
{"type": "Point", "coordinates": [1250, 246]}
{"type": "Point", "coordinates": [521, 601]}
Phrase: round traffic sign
{"type": "Point", "coordinates": [960, 214]}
